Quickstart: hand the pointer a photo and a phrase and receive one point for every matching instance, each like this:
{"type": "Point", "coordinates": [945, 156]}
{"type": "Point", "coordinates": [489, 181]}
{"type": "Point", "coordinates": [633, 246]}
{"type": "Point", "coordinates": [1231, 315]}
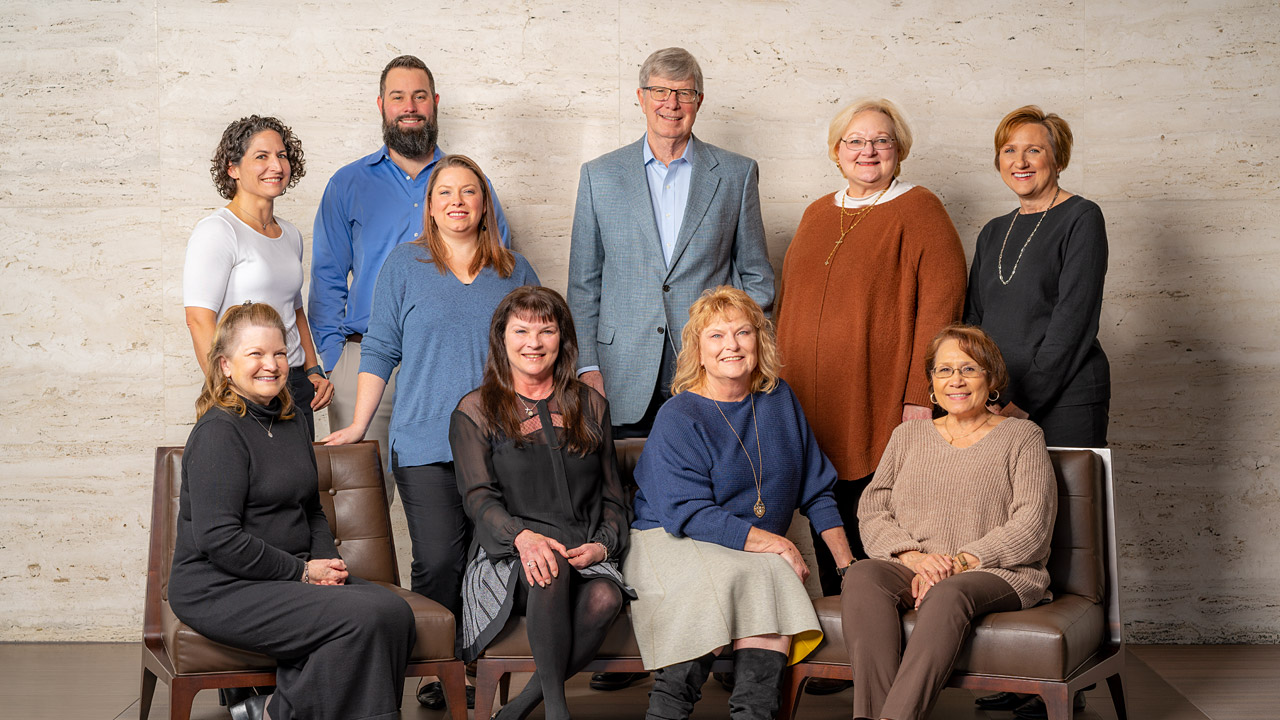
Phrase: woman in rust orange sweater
{"type": "Point", "coordinates": [874, 272]}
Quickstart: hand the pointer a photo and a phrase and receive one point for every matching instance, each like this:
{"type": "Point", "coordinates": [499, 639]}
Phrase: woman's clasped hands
{"type": "Point", "coordinates": [326, 571]}
{"type": "Point", "coordinates": [538, 556]}
{"type": "Point", "coordinates": [933, 568]}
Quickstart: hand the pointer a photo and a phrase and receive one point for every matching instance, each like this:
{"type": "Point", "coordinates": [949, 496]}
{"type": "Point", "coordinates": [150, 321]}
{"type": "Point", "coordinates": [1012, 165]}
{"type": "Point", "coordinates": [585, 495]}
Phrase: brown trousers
{"type": "Point", "coordinates": [888, 681]}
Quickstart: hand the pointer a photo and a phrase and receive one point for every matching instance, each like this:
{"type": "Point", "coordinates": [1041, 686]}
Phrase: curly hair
{"type": "Point", "coordinates": [719, 303]}
{"type": "Point", "coordinates": [235, 143]}
{"type": "Point", "coordinates": [217, 390]}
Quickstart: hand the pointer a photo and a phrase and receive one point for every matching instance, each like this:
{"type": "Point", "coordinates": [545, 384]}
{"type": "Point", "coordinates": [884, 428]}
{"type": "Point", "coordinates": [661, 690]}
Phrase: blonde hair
{"type": "Point", "coordinates": [489, 251]}
{"type": "Point", "coordinates": [217, 391]}
{"type": "Point", "coordinates": [901, 130]}
{"type": "Point", "coordinates": [1060, 137]}
{"type": "Point", "coordinates": [722, 302]}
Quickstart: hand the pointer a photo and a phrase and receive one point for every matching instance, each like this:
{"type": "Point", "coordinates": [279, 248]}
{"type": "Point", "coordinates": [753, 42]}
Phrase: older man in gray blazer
{"type": "Point", "coordinates": [656, 223]}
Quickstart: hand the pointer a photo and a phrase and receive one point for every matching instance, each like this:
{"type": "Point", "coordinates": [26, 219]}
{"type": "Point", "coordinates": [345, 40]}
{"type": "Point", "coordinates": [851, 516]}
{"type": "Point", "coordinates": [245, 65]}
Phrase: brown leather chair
{"type": "Point", "coordinates": [1051, 650]}
{"type": "Point", "coordinates": [354, 499]}
{"type": "Point", "coordinates": [509, 652]}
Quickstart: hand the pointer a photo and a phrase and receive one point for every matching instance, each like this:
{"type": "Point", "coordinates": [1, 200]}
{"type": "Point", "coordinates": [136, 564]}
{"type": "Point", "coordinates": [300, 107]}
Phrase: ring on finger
{"type": "Point", "coordinates": [531, 564]}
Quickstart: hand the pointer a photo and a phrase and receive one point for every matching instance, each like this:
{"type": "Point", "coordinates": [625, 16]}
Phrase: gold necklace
{"type": "Point", "coordinates": [857, 218]}
{"type": "Point", "coordinates": [245, 214]}
{"type": "Point", "coordinates": [953, 438]}
{"type": "Point", "coordinates": [1000, 260]}
{"type": "Point", "coordinates": [758, 508]}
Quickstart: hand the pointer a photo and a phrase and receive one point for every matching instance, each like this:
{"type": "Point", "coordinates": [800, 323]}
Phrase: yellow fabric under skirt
{"type": "Point", "coordinates": [696, 597]}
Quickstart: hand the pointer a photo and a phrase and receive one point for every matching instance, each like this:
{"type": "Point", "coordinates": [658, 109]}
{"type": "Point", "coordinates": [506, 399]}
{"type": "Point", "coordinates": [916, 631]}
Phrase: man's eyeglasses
{"type": "Point", "coordinates": [661, 94]}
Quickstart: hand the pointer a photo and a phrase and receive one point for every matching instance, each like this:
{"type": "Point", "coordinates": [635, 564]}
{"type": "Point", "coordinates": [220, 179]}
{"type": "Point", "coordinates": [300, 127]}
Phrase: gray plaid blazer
{"type": "Point", "coordinates": [626, 301]}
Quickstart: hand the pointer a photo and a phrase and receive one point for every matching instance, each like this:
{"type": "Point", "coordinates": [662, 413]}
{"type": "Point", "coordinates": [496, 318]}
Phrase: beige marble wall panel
{"type": "Point", "coordinates": [111, 111]}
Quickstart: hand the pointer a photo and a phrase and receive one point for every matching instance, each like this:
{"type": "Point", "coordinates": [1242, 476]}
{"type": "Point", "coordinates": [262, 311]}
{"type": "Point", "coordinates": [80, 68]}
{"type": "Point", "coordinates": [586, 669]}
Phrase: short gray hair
{"type": "Point", "coordinates": [673, 62]}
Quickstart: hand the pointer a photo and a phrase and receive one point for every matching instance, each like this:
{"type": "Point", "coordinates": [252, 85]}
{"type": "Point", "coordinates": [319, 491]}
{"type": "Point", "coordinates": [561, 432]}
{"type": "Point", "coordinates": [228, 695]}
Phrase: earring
{"type": "Point", "coordinates": [993, 399]}
{"type": "Point", "coordinates": [932, 399]}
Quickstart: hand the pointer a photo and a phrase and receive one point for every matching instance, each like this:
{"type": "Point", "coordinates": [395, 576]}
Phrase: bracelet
{"type": "Point", "coordinates": [605, 548]}
{"type": "Point", "coordinates": [306, 573]}
{"type": "Point", "coordinates": [317, 370]}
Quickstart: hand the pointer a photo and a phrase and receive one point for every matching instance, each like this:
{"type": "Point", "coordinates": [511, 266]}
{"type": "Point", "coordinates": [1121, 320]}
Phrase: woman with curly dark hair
{"type": "Point", "coordinates": [244, 252]}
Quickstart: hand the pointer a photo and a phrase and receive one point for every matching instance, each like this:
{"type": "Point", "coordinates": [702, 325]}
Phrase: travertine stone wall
{"type": "Point", "coordinates": [109, 112]}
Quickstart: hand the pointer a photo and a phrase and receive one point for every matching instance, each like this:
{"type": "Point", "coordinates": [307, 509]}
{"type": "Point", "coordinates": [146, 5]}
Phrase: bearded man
{"type": "Point", "coordinates": [368, 208]}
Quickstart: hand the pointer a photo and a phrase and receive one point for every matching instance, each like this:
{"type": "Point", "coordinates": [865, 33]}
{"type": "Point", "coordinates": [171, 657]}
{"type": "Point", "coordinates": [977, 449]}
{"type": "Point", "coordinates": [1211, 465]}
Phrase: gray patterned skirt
{"type": "Point", "coordinates": [488, 592]}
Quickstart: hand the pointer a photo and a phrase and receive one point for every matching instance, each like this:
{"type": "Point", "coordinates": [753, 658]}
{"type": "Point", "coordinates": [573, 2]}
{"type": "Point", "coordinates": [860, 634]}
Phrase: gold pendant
{"type": "Point", "coordinates": [759, 508]}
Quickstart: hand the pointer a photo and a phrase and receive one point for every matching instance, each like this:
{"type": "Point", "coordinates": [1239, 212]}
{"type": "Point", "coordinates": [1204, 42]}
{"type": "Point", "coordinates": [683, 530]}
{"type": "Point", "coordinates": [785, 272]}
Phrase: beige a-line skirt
{"type": "Point", "coordinates": [696, 597]}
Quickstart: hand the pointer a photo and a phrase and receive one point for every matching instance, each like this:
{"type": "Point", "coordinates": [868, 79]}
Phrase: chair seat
{"type": "Point", "coordinates": [192, 652]}
{"type": "Point", "coordinates": [513, 641]}
{"type": "Point", "coordinates": [1046, 642]}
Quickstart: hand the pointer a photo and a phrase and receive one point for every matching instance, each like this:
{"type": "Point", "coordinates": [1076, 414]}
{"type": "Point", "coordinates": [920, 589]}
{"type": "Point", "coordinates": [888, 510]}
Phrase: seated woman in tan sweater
{"type": "Point", "coordinates": [957, 524]}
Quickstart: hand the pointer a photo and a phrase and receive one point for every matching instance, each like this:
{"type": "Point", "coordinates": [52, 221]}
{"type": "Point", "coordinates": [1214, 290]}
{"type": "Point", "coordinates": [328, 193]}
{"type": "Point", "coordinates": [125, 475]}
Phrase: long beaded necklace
{"type": "Point", "coordinates": [758, 508]}
{"type": "Point", "coordinates": [1000, 259]}
{"type": "Point", "coordinates": [857, 216]}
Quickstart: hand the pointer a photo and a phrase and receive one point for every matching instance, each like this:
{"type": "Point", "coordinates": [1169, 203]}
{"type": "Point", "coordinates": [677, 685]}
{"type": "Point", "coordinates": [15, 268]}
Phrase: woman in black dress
{"type": "Point", "coordinates": [533, 449]}
{"type": "Point", "coordinates": [1036, 286]}
{"type": "Point", "coordinates": [254, 564]}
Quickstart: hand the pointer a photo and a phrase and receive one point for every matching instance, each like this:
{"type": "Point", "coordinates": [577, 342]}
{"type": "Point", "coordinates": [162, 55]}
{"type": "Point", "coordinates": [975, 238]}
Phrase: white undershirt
{"type": "Point", "coordinates": [897, 189]}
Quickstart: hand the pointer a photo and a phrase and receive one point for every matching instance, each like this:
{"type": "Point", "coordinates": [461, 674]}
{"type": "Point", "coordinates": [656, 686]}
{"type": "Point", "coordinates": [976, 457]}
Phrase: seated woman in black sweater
{"type": "Point", "coordinates": [533, 450]}
{"type": "Point", "coordinates": [255, 566]}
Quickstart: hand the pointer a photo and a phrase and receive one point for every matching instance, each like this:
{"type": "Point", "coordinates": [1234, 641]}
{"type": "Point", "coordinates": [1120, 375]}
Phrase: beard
{"type": "Point", "coordinates": [414, 143]}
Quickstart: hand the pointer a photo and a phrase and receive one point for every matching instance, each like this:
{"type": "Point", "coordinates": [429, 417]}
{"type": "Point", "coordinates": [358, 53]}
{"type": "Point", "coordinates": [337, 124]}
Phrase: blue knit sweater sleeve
{"type": "Point", "coordinates": [383, 344]}
{"type": "Point", "coordinates": [674, 475]}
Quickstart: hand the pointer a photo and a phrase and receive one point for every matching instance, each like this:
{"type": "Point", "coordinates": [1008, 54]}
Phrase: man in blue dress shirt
{"type": "Point", "coordinates": [368, 208]}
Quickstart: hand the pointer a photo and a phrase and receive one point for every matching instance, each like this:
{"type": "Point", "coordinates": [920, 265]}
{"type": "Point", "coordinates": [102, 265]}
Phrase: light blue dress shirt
{"type": "Point", "coordinates": [368, 208]}
{"type": "Point", "coordinates": [669, 191]}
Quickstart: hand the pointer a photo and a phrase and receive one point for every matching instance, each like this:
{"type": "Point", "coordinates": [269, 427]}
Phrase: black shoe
{"type": "Point", "coordinates": [1001, 701]}
{"type": "Point", "coordinates": [826, 686]}
{"type": "Point", "coordinates": [615, 680]}
{"type": "Point", "coordinates": [251, 709]}
{"type": "Point", "coordinates": [1034, 708]}
{"type": "Point", "coordinates": [431, 696]}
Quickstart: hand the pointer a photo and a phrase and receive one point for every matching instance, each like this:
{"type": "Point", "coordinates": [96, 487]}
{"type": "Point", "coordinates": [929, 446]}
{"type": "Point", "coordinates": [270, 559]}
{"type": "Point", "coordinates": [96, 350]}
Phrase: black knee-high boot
{"type": "Point", "coordinates": [757, 674]}
{"type": "Point", "coordinates": [676, 688]}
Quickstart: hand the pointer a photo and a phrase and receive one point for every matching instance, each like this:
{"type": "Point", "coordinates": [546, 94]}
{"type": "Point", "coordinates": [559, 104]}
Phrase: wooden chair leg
{"type": "Point", "coordinates": [488, 677]}
{"type": "Point", "coordinates": [789, 693]}
{"type": "Point", "coordinates": [148, 692]}
{"type": "Point", "coordinates": [1057, 702]}
{"type": "Point", "coordinates": [504, 688]}
{"type": "Point", "coordinates": [453, 676]}
{"type": "Point", "coordinates": [181, 695]}
{"type": "Point", "coordinates": [1115, 684]}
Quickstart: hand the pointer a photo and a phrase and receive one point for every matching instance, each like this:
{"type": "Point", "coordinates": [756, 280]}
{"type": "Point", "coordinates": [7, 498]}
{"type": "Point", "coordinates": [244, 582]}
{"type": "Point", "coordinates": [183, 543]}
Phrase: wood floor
{"type": "Point", "coordinates": [1218, 682]}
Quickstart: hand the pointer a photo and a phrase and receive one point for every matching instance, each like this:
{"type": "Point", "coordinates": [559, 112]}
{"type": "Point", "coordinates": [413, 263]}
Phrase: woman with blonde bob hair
{"type": "Point", "coordinates": [854, 323]}
{"type": "Point", "coordinates": [255, 566]}
{"type": "Point", "coordinates": [709, 559]}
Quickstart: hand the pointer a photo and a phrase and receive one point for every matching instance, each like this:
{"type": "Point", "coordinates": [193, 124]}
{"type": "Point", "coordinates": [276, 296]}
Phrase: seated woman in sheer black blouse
{"type": "Point", "coordinates": [533, 452]}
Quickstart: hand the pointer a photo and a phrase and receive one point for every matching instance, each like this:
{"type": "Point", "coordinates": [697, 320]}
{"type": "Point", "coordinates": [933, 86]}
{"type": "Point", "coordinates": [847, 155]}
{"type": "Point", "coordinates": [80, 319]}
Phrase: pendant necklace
{"type": "Point", "coordinates": [1000, 259]}
{"type": "Point", "coordinates": [857, 218]}
{"type": "Point", "coordinates": [267, 428]}
{"type": "Point", "coordinates": [758, 508]}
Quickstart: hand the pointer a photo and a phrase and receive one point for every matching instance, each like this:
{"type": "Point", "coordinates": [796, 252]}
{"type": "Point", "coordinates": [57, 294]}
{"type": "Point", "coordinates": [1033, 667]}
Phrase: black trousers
{"type": "Point", "coordinates": [848, 493]}
{"type": "Point", "coordinates": [303, 393]}
{"type": "Point", "coordinates": [1076, 425]}
{"type": "Point", "coordinates": [341, 651]}
{"type": "Point", "coordinates": [439, 531]}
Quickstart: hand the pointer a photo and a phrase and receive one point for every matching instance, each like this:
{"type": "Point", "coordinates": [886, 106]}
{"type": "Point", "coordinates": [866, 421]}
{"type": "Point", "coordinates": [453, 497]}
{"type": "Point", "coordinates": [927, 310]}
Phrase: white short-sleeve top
{"type": "Point", "coordinates": [229, 262]}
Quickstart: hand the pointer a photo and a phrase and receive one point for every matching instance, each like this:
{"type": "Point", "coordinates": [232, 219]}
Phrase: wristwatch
{"type": "Point", "coordinates": [316, 370]}
{"type": "Point", "coordinates": [841, 571]}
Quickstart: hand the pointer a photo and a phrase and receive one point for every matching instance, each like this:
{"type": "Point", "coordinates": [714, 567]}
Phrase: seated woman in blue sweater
{"type": "Point", "coordinates": [709, 559]}
{"type": "Point", "coordinates": [431, 310]}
